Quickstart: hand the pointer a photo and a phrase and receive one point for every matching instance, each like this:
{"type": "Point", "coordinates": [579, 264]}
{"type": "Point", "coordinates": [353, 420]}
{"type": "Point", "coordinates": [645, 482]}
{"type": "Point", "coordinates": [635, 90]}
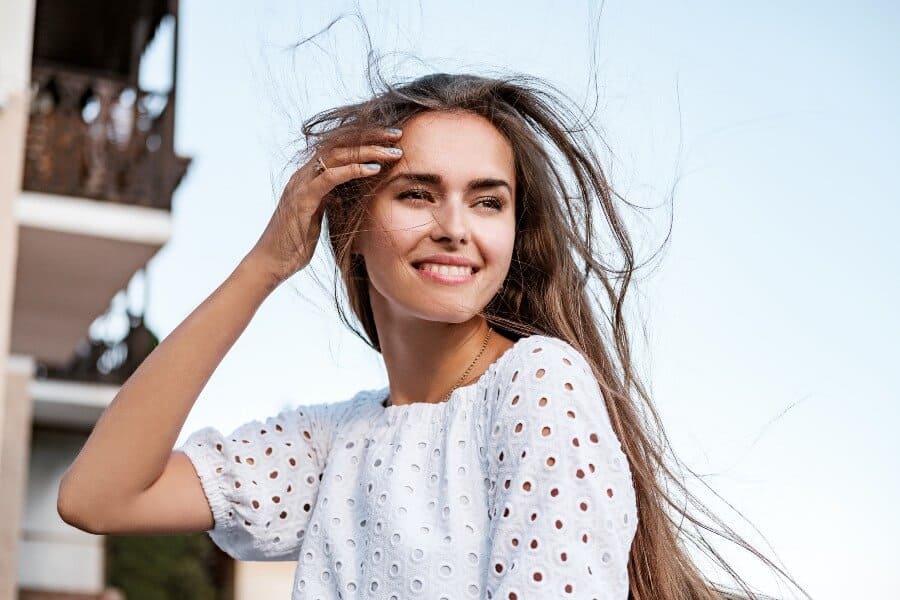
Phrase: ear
{"type": "Point", "coordinates": [354, 248]}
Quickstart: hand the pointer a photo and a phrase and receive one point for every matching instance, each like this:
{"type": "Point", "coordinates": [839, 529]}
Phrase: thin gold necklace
{"type": "Point", "coordinates": [463, 378]}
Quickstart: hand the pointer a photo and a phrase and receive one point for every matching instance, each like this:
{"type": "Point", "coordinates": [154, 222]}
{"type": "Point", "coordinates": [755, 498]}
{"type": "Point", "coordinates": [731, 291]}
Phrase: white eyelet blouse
{"type": "Point", "coordinates": [514, 488]}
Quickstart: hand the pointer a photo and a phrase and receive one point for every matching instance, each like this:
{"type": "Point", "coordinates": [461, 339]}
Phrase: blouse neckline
{"type": "Point", "coordinates": [461, 394]}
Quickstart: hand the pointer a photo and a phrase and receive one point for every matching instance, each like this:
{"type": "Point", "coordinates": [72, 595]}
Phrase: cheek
{"type": "Point", "coordinates": [392, 235]}
{"type": "Point", "coordinates": [497, 244]}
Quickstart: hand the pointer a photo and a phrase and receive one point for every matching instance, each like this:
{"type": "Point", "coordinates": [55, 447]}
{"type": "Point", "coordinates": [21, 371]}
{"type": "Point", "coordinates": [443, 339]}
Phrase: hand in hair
{"type": "Point", "coordinates": [289, 240]}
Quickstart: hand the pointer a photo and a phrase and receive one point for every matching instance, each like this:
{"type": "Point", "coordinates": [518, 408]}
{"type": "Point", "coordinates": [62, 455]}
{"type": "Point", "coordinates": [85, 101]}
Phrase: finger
{"type": "Point", "coordinates": [380, 135]}
{"type": "Point", "coordinates": [361, 154]}
{"type": "Point", "coordinates": [373, 137]}
{"type": "Point", "coordinates": [333, 177]}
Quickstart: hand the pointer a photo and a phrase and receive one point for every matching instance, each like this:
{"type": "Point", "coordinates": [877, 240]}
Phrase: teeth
{"type": "Point", "coordinates": [446, 269]}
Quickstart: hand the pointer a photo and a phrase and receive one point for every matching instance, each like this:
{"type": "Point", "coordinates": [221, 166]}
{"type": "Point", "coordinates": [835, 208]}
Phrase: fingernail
{"type": "Point", "coordinates": [395, 151]}
{"type": "Point", "coordinates": [372, 166]}
{"type": "Point", "coordinates": [394, 131]}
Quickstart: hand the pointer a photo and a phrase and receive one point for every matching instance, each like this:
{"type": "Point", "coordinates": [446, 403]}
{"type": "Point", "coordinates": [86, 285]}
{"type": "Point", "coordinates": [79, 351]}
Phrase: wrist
{"type": "Point", "coordinates": [260, 271]}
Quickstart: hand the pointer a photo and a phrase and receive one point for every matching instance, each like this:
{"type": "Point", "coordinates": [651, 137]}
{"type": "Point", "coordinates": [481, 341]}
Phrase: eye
{"type": "Point", "coordinates": [493, 202]}
{"type": "Point", "coordinates": [415, 194]}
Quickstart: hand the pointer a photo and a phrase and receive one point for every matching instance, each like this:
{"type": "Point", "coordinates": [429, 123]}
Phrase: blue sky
{"type": "Point", "coordinates": [772, 316]}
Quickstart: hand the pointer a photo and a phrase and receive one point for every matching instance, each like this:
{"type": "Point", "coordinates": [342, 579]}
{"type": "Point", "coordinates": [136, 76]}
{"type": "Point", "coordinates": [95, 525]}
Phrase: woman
{"type": "Point", "coordinates": [508, 457]}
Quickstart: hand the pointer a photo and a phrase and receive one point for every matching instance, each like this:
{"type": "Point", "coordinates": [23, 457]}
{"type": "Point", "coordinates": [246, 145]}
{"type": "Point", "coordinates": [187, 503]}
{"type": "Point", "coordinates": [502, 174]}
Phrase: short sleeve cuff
{"type": "Point", "coordinates": [200, 449]}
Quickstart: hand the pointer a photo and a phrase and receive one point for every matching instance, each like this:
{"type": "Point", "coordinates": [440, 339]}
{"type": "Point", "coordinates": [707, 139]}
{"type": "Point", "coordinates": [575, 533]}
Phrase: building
{"type": "Point", "coordinates": [86, 186]}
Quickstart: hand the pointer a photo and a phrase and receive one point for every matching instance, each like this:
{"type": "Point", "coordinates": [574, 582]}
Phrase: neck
{"type": "Point", "coordinates": [425, 359]}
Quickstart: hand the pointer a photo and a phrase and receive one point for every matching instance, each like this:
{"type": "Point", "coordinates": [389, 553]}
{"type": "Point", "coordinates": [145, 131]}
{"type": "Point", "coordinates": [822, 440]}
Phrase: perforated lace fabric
{"type": "Point", "coordinates": [516, 487]}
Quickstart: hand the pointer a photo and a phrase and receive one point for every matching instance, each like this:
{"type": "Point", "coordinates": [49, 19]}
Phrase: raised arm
{"type": "Point", "coordinates": [130, 447]}
{"type": "Point", "coordinates": [126, 477]}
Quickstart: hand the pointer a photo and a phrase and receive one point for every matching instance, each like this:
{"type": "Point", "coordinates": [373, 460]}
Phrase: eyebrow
{"type": "Point", "coordinates": [433, 179]}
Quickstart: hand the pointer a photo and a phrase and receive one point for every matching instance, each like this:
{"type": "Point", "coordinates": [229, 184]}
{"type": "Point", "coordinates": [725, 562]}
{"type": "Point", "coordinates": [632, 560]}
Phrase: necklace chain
{"type": "Point", "coordinates": [464, 375]}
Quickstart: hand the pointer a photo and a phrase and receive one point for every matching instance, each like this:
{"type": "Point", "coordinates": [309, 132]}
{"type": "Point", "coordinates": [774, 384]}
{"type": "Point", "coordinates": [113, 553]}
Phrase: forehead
{"type": "Point", "coordinates": [464, 144]}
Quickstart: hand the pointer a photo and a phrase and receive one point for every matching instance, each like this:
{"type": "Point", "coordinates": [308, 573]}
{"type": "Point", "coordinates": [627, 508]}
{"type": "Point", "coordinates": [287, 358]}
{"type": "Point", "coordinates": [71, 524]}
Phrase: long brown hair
{"type": "Point", "coordinates": [548, 290]}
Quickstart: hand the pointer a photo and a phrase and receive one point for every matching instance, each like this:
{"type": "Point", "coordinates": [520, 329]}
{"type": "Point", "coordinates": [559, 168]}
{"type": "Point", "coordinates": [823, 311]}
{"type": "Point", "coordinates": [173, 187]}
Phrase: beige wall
{"type": "Point", "coordinates": [16, 26]}
{"type": "Point", "coordinates": [15, 439]}
{"type": "Point", "coordinates": [263, 579]}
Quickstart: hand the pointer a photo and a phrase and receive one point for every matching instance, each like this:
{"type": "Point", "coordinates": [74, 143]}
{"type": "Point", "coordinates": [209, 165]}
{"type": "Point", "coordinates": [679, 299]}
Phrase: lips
{"type": "Point", "coordinates": [451, 270]}
{"type": "Point", "coordinates": [447, 259]}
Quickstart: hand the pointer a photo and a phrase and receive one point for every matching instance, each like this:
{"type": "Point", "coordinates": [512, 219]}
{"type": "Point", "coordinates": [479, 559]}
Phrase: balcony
{"type": "Point", "coordinates": [99, 173]}
{"type": "Point", "coordinates": [102, 138]}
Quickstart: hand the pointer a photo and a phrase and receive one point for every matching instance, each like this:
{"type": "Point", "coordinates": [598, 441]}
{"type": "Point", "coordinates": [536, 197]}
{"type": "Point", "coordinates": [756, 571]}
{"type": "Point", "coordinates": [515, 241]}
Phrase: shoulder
{"type": "Point", "coordinates": [550, 402]}
{"type": "Point", "coordinates": [544, 374]}
{"type": "Point", "coordinates": [541, 359]}
{"type": "Point", "coordinates": [336, 413]}
{"type": "Point", "coordinates": [314, 422]}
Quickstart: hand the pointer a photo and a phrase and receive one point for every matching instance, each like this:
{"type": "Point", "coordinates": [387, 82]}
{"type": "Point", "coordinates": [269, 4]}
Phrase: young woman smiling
{"type": "Point", "coordinates": [511, 455]}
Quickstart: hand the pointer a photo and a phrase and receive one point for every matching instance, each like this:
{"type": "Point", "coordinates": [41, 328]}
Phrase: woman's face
{"type": "Point", "coordinates": [452, 194]}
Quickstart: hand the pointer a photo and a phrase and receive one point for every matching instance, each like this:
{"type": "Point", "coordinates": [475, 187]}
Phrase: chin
{"type": "Point", "coordinates": [439, 311]}
{"type": "Point", "coordinates": [420, 297]}
{"type": "Point", "coordinates": [437, 307]}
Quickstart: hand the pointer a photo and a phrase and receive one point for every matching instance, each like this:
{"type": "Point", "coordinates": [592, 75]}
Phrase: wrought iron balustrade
{"type": "Point", "coordinates": [101, 138]}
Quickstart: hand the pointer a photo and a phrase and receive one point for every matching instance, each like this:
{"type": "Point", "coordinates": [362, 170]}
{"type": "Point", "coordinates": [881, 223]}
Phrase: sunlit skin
{"type": "Point", "coordinates": [429, 331]}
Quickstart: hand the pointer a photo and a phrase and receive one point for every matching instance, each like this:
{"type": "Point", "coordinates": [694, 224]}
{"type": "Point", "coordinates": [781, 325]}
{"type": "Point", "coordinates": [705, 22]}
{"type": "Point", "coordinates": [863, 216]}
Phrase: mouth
{"type": "Point", "coordinates": [451, 274]}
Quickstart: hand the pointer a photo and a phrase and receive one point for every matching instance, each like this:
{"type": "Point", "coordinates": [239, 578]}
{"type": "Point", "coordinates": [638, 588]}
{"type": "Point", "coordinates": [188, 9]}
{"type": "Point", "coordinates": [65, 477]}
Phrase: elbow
{"type": "Point", "coordinates": [67, 511]}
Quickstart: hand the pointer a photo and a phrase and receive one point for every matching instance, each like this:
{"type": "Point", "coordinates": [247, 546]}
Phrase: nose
{"type": "Point", "coordinates": [450, 222]}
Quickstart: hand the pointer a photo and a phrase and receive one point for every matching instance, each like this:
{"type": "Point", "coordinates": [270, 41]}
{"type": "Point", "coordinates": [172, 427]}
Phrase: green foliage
{"type": "Point", "coordinates": [163, 567]}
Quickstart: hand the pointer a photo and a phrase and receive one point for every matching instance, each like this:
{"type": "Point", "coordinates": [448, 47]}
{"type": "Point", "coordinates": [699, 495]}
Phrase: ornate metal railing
{"type": "Point", "coordinates": [100, 138]}
{"type": "Point", "coordinates": [105, 361]}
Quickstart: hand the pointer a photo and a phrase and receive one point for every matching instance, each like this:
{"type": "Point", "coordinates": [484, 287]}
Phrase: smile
{"type": "Point", "coordinates": [446, 273]}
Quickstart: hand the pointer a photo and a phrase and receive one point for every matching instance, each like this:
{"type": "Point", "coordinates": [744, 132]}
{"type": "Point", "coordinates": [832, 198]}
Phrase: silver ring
{"type": "Point", "coordinates": [320, 167]}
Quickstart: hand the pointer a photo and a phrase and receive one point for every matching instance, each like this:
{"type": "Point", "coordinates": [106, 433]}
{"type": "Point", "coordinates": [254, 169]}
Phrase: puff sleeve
{"type": "Point", "coordinates": [561, 499]}
{"type": "Point", "coordinates": [262, 480]}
